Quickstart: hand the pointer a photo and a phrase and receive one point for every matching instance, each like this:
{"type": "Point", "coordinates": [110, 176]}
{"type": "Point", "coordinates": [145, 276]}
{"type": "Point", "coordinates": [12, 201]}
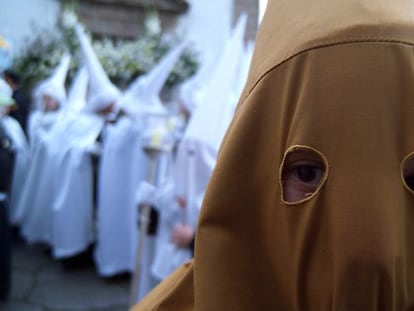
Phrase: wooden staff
{"type": "Point", "coordinates": [144, 217]}
{"type": "Point", "coordinates": [186, 216]}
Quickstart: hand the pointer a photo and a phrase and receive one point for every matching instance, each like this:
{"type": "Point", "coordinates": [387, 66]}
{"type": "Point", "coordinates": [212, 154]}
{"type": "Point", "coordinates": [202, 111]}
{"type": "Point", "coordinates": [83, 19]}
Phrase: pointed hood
{"type": "Point", "coordinates": [143, 94]}
{"type": "Point", "coordinates": [197, 151]}
{"type": "Point", "coordinates": [208, 25]}
{"type": "Point", "coordinates": [331, 85]}
{"type": "Point", "coordinates": [192, 90]}
{"type": "Point", "coordinates": [245, 61]}
{"type": "Point", "coordinates": [78, 91]}
{"type": "Point", "coordinates": [209, 42]}
{"type": "Point", "coordinates": [54, 85]}
{"type": "Point", "coordinates": [261, 10]}
{"type": "Point", "coordinates": [156, 78]}
{"type": "Point", "coordinates": [212, 117]}
{"type": "Point", "coordinates": [292, 19]}
{"type": "Point", "coordinates": [332, 80]}
{"type": "Point", "coordinates": [101, 90]}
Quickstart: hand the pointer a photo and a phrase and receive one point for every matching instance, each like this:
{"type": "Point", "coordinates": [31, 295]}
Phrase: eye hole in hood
{"type": "Point", "coordinates": [302, 173]}
{"type": "Point", "coordinates": [407, 172]}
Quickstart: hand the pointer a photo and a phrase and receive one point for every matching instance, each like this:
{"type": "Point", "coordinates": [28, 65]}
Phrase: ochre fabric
{"type": "Point", "coordinates": [336, 76]}
{"type": "Point", "coordinates": [175, 293]}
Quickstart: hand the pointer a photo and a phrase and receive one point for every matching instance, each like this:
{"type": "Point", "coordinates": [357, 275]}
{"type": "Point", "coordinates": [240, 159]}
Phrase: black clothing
{"type": "Point", "coordinates": [153, 220]}
{"type": "Point", "coordinates": [6, 169]}
{"type": "Point", "coordinates": [23, 106]}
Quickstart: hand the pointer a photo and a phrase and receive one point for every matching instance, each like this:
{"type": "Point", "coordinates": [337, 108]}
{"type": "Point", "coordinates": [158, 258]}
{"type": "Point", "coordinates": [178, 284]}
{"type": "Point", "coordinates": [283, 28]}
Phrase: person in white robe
{"type": "Point", "coordinates": [33, 208]}
{"type": "Point", "coordinates": [190, 95]}
{"type": "Point", "coordinates": [48, 96]}
{"type": "Point", "coordinates": [70, 154]}
{"type": "Point", "coordinates": [196, 157]}
{"type": "Point", "coordinates": [21, 149]}
{"type": "Point", "coordinates": [124, 164]}
{"type": "Point", "coordinates": [73, 207]}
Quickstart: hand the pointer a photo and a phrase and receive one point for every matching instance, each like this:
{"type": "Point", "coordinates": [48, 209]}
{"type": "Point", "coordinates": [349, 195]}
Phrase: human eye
{"type": "Point", "coordinates": [302, 173]}
{"type": "Point", "coordinates": [306, 172]}
{"type": "Point", "coordinates": [409, 180]}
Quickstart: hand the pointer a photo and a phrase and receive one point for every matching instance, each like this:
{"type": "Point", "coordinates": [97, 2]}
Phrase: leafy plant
{"type": "Point", "coordinates": [122, 59]}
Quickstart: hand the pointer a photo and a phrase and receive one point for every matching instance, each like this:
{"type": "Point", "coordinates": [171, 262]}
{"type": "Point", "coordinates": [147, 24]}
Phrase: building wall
{"type": "Point", "coordinates": [124, 18]}
{"type": "Point", "coordinates": [102, 17]}
{"type": "Point", "coordinates": [111, 20]}
{"type": "Point", "coordinates": [115, 18]}
{"type": "Point", "coordinates": [18, 18]}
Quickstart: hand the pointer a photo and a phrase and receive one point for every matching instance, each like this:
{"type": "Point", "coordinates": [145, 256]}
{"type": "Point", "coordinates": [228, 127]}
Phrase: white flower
{"type": "Point", "coordinates": [153, 24]}
{"type": "Point", "coordinates": [69, 19]}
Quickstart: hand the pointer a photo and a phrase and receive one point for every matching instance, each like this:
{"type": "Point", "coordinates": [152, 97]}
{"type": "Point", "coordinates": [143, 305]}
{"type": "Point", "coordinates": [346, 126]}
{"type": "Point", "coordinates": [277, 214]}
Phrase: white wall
{"type": "Point", "coordinates": [17, 18]}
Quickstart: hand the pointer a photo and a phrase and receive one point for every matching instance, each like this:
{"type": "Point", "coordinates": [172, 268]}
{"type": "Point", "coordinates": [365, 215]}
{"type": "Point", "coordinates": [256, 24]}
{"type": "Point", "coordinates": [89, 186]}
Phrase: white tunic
{"type": "Point", "coordinates": [34, 205]}
{"type": "Point", "coordinates": [57, 199]}
{"type": "Point", "coordinates": [147, 279]}
{"type": "Point", "coordinates": [72, 206]}
{"type": "Point", "coordinates": [197, 152]}
{"type": "Point", "coordinates": [190, 174]}
{"type": "Point", "coordinates": [123, 165]}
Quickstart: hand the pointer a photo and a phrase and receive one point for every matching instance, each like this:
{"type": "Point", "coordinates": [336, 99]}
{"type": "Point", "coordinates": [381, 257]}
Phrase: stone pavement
{"type": "Point", "coordinates": [40, 283]}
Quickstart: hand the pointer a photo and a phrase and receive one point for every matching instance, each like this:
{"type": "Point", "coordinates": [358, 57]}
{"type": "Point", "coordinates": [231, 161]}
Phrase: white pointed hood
{"type": "Point", "coordinates": [210, 120]}
{"type": "Point", "coordinates": [191, 91]}
{"type": "Point", "coordinates": [261, 11]}
{"type": "Point", "coordinates": [197, 151]}
{"type": "Point", "coordinates": [208, 41]}
{"type": "Point", "coordinates": [243, 72]}
{"type": "Point", "coordinates": [208, 25]}
{"type": "Point", "coordinates": [78, 90]}
{"type": "Point", "coordinates": [101, 90]}
{"type": "Point", "coordinates": [54, 85]}
{"type": "Point", "coordinates": [143, 94]}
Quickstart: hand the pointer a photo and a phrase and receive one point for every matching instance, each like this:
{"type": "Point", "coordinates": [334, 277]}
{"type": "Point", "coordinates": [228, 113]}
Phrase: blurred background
{"type": "Point", "coordinates": [132, 41]}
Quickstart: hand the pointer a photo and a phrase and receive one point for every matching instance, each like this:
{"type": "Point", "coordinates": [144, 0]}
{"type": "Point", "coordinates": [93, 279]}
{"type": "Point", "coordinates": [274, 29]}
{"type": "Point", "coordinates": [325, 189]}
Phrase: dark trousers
{"type": "Point", "coordinates": [6, 172]}
{"type": "Point", "coordinates": [5, 250]}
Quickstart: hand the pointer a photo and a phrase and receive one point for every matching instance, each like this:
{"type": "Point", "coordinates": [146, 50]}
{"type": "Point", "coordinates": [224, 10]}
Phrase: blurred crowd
{"type": "Point", "coordinates": [120, 172]}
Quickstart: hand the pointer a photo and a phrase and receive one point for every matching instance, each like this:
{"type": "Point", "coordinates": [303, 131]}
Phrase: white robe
{"type": "Point", "coordinates": [147, 279]}
{"type": "Point", "coordinates": [72, 224]}
{"type": "Point", "coordinates": [34, 206]}
{"type": "Point", "coordinates": [123, 165]}
{"type": "Point", "coordinates": [197, 154]}
{"type": "Point", "coordinates": [39, 125]}
{"type": "Point", "coordinates": [56, 205]}
{"type": "Point", "coordinates": [191, 172]}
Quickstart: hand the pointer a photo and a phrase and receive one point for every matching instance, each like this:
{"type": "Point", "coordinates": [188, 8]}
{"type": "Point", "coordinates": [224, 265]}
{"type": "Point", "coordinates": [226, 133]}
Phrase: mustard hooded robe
{"type": "Point", "coordinates": [335, 79]}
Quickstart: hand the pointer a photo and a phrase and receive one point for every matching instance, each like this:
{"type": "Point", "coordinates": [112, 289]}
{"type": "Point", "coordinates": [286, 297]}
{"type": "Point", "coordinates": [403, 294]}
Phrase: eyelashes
{"type": "Point", "coordinates": [302, 173]}
{"type": "Point", "coordinates": [308, 173]}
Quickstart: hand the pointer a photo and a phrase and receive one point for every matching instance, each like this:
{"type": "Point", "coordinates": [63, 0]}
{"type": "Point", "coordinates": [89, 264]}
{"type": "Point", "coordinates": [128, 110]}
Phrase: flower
{"type": "Point", "coordinates": [69, 18]}
{"type": "Point", "coordinates": [152, 24]}
{"type": "Point", "coordinates": [4, 44]}
{"type": "Point", "coordinates": [122, 59]}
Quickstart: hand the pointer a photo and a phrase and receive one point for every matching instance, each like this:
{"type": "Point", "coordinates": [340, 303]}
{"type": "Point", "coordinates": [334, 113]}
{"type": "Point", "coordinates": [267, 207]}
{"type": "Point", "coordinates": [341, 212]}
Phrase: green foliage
{"type": "Point", "coordinates": [39, 57]}
{"type": "Point", "coordinates": [122, 59]}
